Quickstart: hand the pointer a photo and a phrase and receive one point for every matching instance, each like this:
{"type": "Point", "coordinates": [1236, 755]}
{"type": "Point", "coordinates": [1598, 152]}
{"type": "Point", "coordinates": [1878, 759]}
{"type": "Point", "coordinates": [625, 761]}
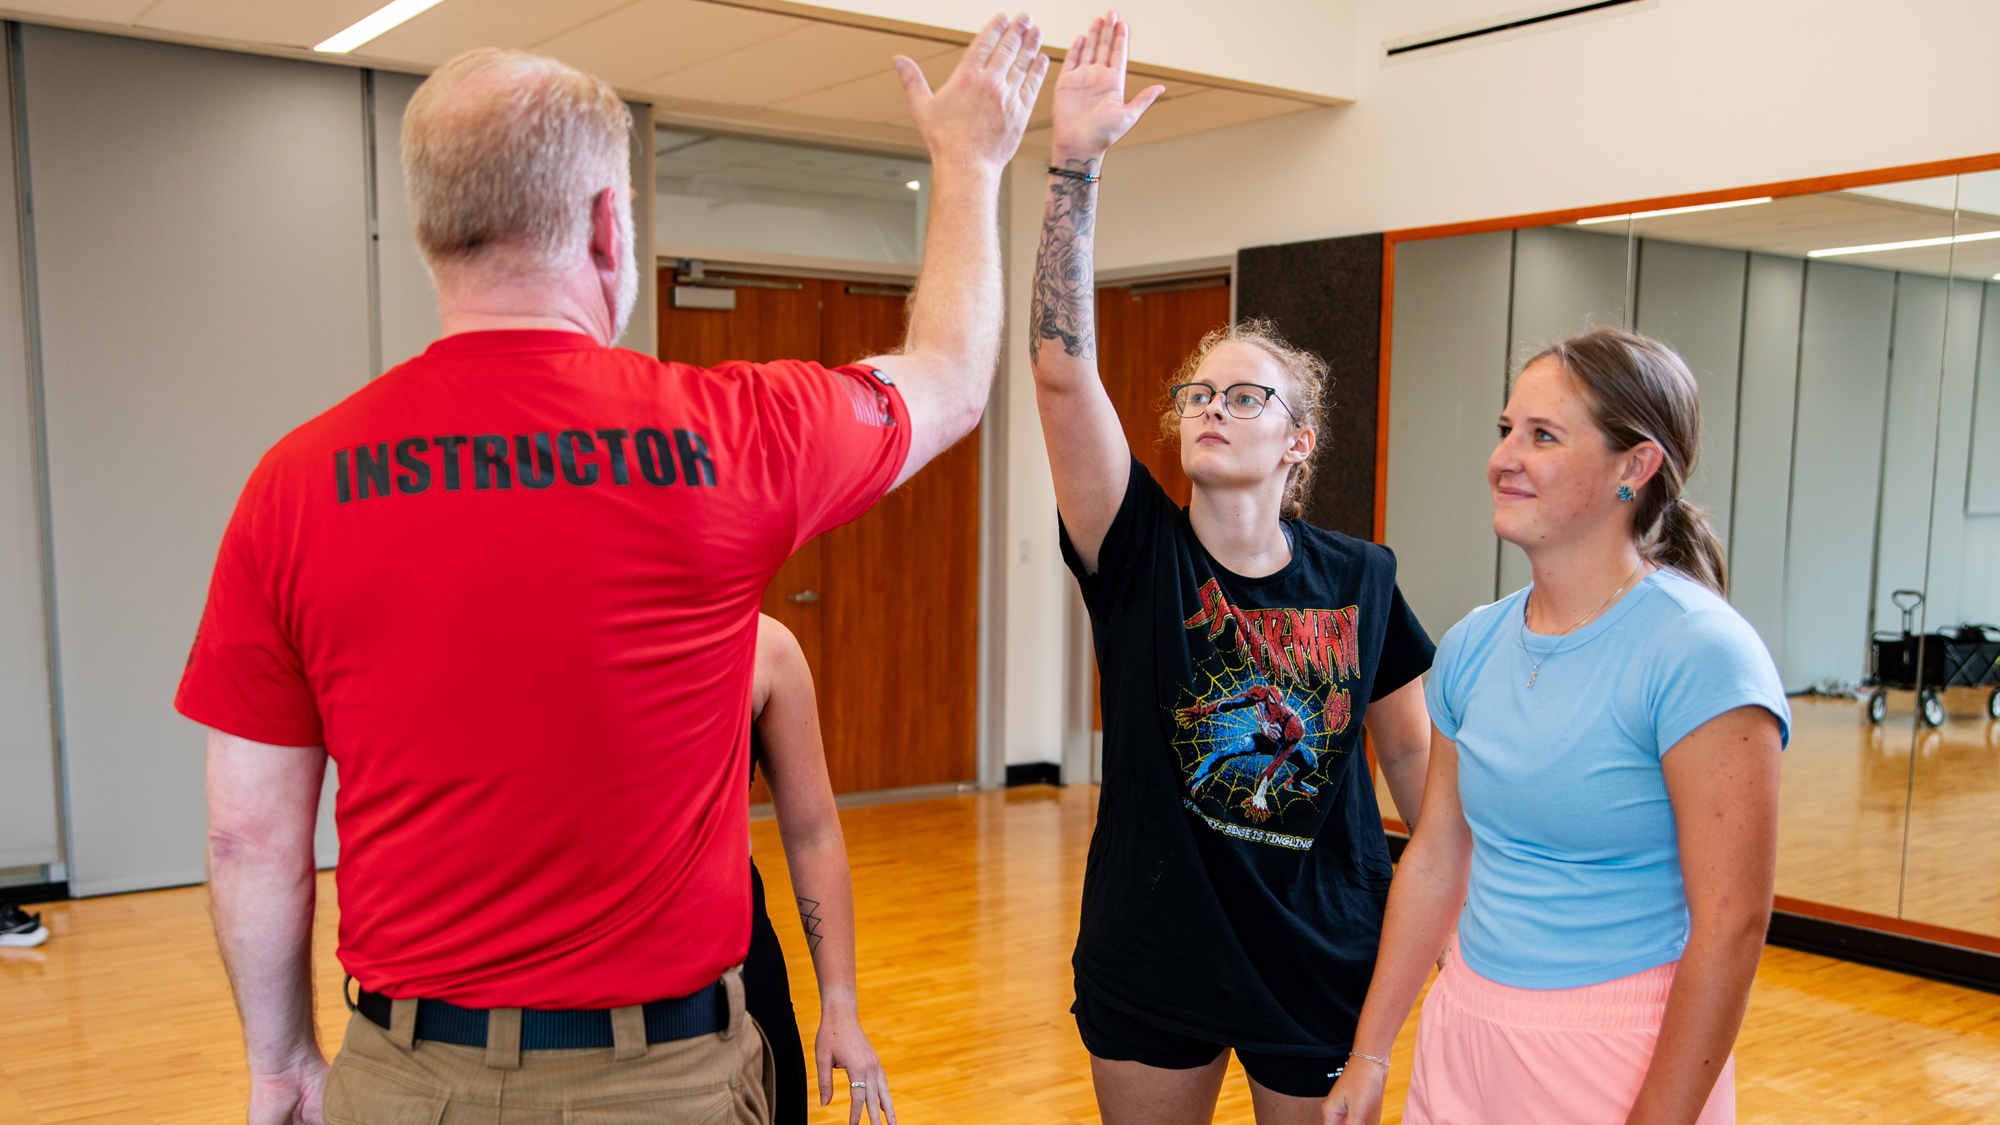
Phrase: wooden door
{"type": "Point", "coordinates": [1144, 334]}
{"type": "Point", "coordinates": [886, 608]}
{"type": "Point", "coordinates": [899, 690]}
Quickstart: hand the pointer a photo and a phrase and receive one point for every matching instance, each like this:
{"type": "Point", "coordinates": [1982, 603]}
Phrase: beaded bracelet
{"type": "Point", "coordinates": [1072, 174]}
{"type": "Point", "coordinates": [1371, 1058]}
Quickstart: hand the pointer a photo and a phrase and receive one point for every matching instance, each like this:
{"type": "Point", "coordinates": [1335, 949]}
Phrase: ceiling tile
{"type": "Point", "coordinates": [258, 21]}
{"type": "Point", "coordinates": [1205, 110]}
{"type": "Point", "coordinates": [878, 97]}
{"type": "Point", "coordinates": [654, 37]}
{"type": "Point", "coordinates": [814, 57]}
{"type": "Point", "coordinates": [460, 25]}
{"type": "Point", "coordinates": [103, 11]}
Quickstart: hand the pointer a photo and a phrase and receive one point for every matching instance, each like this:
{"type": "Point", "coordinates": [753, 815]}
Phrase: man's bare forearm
{"type": "Point", "coordinates": [262, 897]}
{"type": "Point", "coordinates": [1062, 316]}
{"type": "Point", "coordinates": [955, 311]}
{"type": "Point", "coordinates": [262, 805]}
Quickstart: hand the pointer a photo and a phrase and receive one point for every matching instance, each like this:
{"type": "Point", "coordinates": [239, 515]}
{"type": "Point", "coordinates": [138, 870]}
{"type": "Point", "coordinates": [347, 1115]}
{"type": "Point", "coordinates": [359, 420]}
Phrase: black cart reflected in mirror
{"type": "Point", "coordinates": [1967, 656]}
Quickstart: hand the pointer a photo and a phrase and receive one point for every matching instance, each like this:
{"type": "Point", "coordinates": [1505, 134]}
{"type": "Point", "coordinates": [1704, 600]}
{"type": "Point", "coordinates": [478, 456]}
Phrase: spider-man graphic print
{"type": "Point", "coordinates": [1238, 871]}
{"type": "Point", "coordinates": [1271, 706]}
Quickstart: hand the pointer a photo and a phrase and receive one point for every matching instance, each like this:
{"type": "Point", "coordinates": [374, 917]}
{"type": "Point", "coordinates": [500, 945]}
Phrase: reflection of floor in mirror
{"type": "Point", "coordinates": [1847, 783]}
{"type": "Point", "coordinates": [1840, 807]}
{"type": "Point", "coordinates": [967, 911]}
{"type": "Point", "coordinates": [1954, 863]}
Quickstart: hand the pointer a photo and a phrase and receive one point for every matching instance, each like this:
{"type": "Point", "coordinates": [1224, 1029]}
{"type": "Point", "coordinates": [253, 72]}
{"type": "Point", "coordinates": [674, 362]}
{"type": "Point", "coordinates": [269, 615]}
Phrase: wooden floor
{"type": "Point", "coordinates": [967, 911]}
{"type": "Point", "coordinates": [1852, 792]}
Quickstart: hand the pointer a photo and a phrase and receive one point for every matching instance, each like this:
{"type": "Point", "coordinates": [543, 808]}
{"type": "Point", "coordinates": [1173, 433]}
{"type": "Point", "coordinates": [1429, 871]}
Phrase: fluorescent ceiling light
{"type": "Point", "coordinates": [1912, 244]}
{"type": "Point", "coordinates": [379, 21]}
{"type": "Point", "coordinates": [1671, 211]}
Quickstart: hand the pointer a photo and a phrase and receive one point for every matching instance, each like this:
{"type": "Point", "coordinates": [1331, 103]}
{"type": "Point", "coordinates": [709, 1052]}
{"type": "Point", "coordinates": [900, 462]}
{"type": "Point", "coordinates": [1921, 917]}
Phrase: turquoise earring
{"type": "Point", "coordinates": [1625, 492]}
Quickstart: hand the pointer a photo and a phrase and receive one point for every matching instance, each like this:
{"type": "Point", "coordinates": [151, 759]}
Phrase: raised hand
{"type": "Point", "coordinates": [1091, 112]}
{"type": "Point", "coordinates": [980, 112]}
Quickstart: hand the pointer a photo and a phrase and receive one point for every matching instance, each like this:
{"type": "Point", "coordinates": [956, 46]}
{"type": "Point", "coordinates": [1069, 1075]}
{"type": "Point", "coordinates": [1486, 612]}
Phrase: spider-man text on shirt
{"type": "Point", "coordinates": [1269, 709]}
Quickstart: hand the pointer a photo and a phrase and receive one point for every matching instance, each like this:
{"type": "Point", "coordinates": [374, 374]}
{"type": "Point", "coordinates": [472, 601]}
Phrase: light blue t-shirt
{"type": "Point", "coordinates": [1576, 875]}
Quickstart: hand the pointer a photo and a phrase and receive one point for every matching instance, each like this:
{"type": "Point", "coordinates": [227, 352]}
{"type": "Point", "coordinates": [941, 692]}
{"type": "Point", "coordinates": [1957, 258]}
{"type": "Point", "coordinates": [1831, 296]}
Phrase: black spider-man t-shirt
{"type": "Point", "coordinates": [1238, 874]}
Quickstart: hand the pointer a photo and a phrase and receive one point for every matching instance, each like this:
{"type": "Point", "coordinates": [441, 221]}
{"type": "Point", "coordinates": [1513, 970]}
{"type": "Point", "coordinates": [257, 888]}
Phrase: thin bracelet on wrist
{"type": "Point", "coordinates": [1072, 174]}
{"type": "Point", "coordinates": [1383, 1063]}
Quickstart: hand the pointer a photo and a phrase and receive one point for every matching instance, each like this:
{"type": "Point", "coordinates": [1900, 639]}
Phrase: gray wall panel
{"type": "Point", "coordinates": [1761, 501]}
{"type": "Point", "coordinates": [1448, 352]}
{"type": "Point", "coordinates": [203, 281]}
{"type": "Point", "coordinates": [1944, 572]}
{"type": "Point", "coordinates": [642, 331]}
{"type": "Point", "coordinates": [1836, 460]}
{"type": "Point", "coordinates": [1565, 282]}
{"type": "Point", "coordinates": [1979, 575]}
{"type": "Point", "coordinates": [1692, 297]}
{"type": "Point", "coordinates": [408, 303]}
{"type": "Point", "coordinates": [1982, 479]}
{"type": "Point", "coordinates": [27, 741]}
{"type": "Point", "coordinates": [1909, 435]}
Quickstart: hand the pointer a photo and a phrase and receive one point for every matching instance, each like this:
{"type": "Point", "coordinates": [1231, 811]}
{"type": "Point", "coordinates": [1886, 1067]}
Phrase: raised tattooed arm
{"type": "Point", "coordinates": [1088, 455]}
{"type": "Point", "coordinates": [1065, 289]}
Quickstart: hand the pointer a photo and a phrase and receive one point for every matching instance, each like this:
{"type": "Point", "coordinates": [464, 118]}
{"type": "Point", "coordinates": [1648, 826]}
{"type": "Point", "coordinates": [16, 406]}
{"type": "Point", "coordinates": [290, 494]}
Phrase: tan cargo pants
{"type": "Point", "coordinates": [388, 1077]}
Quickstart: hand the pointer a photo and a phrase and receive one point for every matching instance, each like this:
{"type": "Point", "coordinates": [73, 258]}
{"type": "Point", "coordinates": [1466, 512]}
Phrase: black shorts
{"type": "Point", "coordinates": [1111, 1034]}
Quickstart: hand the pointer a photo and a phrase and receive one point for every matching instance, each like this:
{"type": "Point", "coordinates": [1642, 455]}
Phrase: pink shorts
{"type": "Point", "coordinates": [1488, 1054]}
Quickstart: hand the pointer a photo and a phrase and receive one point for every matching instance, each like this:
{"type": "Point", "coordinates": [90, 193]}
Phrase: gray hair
{"type": "Point", "coordinates": [504, 151]}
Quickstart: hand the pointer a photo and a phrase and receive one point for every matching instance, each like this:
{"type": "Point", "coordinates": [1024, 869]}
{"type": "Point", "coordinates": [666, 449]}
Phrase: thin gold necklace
{"type": "Point", "coordinates": [1535, 666]}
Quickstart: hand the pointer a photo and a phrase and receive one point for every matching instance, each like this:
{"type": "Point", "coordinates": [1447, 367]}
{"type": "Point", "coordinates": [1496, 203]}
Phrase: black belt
{"type": "Point", "coordinates": [702, 1013]}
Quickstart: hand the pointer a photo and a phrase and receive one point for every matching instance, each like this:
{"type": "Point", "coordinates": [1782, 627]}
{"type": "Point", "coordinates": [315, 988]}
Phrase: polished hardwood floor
{"type": "Point", "coordinates": [967, 908]}
{"type": "Point", "coordinates": [1854, 794]}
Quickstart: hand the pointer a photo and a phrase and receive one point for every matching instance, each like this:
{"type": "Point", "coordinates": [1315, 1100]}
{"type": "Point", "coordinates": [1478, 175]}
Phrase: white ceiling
{"type": "Point", "coordinates": [702, 64]}
{"type": "Point", "coordinates": [1796, 225]}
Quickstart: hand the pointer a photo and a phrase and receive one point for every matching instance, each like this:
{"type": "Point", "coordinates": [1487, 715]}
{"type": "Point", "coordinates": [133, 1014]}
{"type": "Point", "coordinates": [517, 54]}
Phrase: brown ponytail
{"type": "Point", "coordinates": [1641, 390]}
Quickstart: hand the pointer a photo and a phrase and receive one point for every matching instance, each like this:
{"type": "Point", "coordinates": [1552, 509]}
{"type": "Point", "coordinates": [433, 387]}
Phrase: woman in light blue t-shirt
{"type": "Point", "coordinates": [1600, 819]}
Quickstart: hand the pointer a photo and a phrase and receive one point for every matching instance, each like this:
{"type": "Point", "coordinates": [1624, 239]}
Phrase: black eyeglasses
{"type": "Point", "coordinates": [1242, 400]}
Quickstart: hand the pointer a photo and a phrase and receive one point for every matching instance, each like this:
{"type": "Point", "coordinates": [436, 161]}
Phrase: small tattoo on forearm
{"type": "Point", "coordinates": [811, 921]}
{"type": "Point", "coordinates": [1064, 282]}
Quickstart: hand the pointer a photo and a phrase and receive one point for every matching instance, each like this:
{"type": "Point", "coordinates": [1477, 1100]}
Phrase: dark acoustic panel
{"type": "Point", "coordinates": [1326, 296]}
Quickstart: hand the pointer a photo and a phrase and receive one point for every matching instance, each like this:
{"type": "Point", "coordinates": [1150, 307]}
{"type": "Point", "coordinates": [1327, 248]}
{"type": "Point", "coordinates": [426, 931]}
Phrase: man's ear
{"type": "Point", "coordinates": [606, 247]}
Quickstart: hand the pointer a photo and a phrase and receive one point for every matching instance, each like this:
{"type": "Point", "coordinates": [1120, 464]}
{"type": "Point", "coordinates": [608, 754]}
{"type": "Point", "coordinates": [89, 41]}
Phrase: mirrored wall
{"type": "Point", "coordinates": [718, 196]}
{"type": "Point", "coordinates": [1847, 344]}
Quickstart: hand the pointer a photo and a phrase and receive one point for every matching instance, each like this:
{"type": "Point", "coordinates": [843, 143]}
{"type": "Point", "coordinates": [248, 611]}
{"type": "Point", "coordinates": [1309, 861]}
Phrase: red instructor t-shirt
{"type": "Point", "coordinates": [512, 587]}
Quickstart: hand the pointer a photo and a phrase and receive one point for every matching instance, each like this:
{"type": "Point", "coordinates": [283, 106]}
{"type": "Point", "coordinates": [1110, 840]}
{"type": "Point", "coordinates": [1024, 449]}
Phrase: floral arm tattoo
{"type": "Point", "coordinates": [810, 921]}
{"type": "Point", "coordinates": [1064, 282]}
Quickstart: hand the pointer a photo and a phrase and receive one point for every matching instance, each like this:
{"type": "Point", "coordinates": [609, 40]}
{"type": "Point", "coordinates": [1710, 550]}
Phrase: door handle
{"type": "Point", "coordinates": [807, 597]}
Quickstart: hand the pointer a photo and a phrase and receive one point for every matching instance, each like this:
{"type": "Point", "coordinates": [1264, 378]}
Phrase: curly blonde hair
{"type": "Point", "coordinates": [1306, 398]}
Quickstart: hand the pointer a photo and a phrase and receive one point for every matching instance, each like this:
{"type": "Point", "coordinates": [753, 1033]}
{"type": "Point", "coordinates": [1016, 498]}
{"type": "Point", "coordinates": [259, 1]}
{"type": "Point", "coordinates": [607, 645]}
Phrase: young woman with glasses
{"type": "Point", "coordinates": [1601, 817]}
{"type": "Point", "coordinates": [1237, 876]}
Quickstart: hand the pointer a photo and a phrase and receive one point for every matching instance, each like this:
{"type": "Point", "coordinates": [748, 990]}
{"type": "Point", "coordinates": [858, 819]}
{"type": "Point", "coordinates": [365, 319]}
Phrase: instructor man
{"type": "Point", "coordinates": [511, 588]}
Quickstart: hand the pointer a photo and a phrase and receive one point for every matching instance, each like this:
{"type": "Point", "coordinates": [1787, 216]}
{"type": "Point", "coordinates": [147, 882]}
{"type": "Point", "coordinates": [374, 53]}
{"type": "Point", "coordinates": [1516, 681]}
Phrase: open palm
{"type": "Point", "coordinates": [1091, 112]}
